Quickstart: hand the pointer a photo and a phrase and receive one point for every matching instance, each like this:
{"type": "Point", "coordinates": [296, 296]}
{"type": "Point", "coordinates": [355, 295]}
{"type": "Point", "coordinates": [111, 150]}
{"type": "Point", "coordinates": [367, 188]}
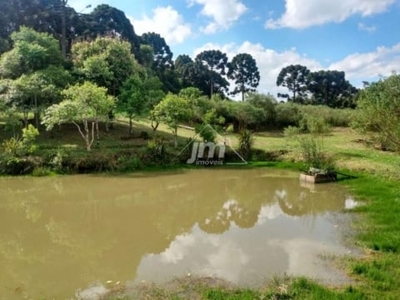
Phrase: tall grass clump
{"type": "Point", "coordinates": [310, 143]}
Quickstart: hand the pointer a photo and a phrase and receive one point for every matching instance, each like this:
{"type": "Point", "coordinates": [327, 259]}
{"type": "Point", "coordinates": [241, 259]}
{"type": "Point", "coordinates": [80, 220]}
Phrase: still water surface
{"type": "Point", "coordinates": [63, 235]}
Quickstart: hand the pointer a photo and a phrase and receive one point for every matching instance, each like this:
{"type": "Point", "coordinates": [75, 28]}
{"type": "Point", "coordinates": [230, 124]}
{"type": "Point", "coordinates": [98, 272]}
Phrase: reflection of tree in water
{"type": "Point", "coordinates": [231, 212]}
{"type": "Point", "coordinates": [304, 201]}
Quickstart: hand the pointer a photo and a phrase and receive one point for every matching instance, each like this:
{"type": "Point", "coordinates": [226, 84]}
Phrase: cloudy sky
{"type": "Point", "coordinates": [360, 37]}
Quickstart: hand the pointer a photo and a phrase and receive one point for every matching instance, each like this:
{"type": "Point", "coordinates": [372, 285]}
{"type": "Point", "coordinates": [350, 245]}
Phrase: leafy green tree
{"type": "Point", "coordinates": [33, 72]}
{"type": "Point", "coordinates": [216, 63]}
{"type": "Point", "coordinates": [378, 112]}
{"type": "Point", "coordinates": [173, 110]}
{"type": "Point", "coordinates": [84, 105]}
{"type": "Point", "coordinates": [154, 92]}
{"type": "Point", "coordinates": [105, 61]}
{"type": "Point", "coordinates": [131, 100]}
{"type": "Point", "coordinates": [139, 94]}
{"type": "Point", "coordinates": [294, 77]}
{"type": "Point", "coordinates": [244, 72]}
{"type": "Point", "coordinates": [192, 94]}
{"type": "Point", "coordinates": [31, 51]}
{"type": "Point", "coordinates": [34, 92]}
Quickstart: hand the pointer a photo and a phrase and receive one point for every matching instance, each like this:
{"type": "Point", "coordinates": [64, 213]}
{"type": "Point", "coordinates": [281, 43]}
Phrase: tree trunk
{"type": "Point", "coordinates": [130, 125]}
{"type": "Point", "coordinates": [176, 137]}
{"type": "Point", "coordinates": [98, 133]}
{"type": "Point", "coordinates": [25, 120]}
{"type": "Point", "coordinates": [88, 145]}
{"type": "Point", "coordinates": [36, 114]}
{"type": "Point", "coordinates": [154, 125]}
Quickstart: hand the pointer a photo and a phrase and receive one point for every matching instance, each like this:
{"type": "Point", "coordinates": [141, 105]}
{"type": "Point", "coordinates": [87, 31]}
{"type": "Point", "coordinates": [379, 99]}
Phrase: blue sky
{"type": "Point", "coordinates": [360, 37]}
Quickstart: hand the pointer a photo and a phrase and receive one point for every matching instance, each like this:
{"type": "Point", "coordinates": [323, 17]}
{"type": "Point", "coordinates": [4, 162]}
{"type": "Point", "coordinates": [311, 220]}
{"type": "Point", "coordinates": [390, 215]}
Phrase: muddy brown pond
{"type": "Point", "coordinates": [62, 237]}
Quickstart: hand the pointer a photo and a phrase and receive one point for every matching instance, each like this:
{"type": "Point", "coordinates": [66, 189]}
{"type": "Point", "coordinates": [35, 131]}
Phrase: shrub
{"type": "Point", "coordinates": [156, 151]}
{"type": "Point", "coordinates": [378, 112]}
{"type": "Point", "coordinates": [332, 116]}
{"type": "Point", "coordinates": [89, 163]}
{"type": "Point", "coordinates": [21, 146]}
{"type": "Point", "coordinates": [12, 165]}
{"type": "Point", "coordinates": [206, 133]}
{"type": "Point", "coordinates": [314, 125]}
{"type": "Point", "coordinates": [287, 114]}
{"type": "Point", "coordinates": [128, 163]}
{"type": "Point", "coordinates": [246, 141]}
{"type": "Point", "coordinates": [291, 131]}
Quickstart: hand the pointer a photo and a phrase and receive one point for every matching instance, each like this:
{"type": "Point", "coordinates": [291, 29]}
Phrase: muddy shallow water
{"type": "Point", "coordinates": [61, 236]}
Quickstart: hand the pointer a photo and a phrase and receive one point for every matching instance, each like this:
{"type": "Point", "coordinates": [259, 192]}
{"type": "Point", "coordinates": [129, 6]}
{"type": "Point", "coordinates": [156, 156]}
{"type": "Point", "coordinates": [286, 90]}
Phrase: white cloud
{"type": "Point", "coordinates": [370, 65]}
{"type": "Point", "coordinates": [358, 67]}
{"type": "Point", "coordinates": [304, 13]}
{"type": "Point", "coordinates": [81, 5]}
{"type": "Point", "coordinates": [363, 27]}
{"type": "Point", "coordinates": [165, 21]}
{"type": "Point", "coordinates": [224, 13]}
{"type": "Point", "coordinates": [269, 62]}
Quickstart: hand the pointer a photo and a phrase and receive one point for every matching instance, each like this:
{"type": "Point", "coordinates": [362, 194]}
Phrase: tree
{"type": "Point", "coordinates": [84, 105]}
{"type": "Point", "coordinates": [162, 52]}
{"type": "Point", "coordinates": [378, 112]}
{"type": "Point", "coordinates": [294, 77]}
{"type": "Point", "coordinates": [244, 71]}
{"type": "Point", "coordinates": [131, 100]}
{"type": "Point", "coordinates": [106, 20]}
{"type": "Point", "coordinates": [105, 61]}
{"type": "Point", "coordinates": [146, 56]}
{"type": "Point", "coordinates": [40, 15]}
{"type": "Point", "coordinates": [191, 94]}
{"type": "Point", "coordinates": [162, 65]}
{"type": "Point", "coordinates": [173, 110]}
{"type": "Point", "coordinates": [216, 63]}
{"type": "Point", "coordinates": [196, 74]}
{"type": "Point", "coordinates": [138, 94]}
{"type": "Point", "coordinates": [33, 68]}
{"type": "Point", "coordinates": [31, 51]}
{"type": "Point", "coordinates": [331, 88]}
